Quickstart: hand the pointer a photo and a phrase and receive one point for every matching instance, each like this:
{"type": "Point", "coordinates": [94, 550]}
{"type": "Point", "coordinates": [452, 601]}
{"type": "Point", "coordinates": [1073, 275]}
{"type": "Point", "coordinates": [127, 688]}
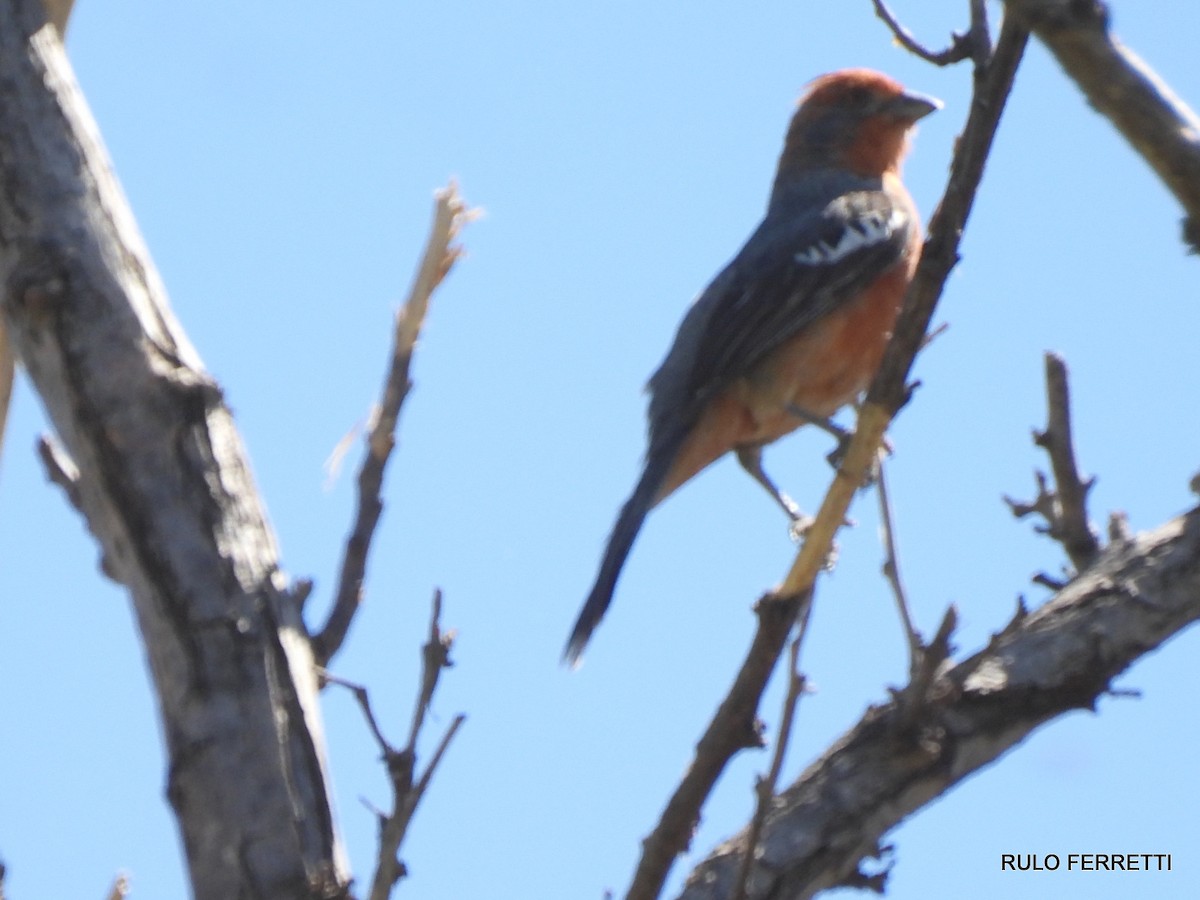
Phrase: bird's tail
{"type": "Point", "coordinates": [620, 542]}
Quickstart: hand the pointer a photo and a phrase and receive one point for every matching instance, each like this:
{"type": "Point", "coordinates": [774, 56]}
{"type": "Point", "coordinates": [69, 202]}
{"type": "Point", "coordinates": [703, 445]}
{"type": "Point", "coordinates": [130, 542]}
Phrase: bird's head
{"type": "Point", "coordinates": [856, 119]}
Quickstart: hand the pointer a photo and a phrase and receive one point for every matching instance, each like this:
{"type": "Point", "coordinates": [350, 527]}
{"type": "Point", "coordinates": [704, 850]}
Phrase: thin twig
{"type": "Point", "coordinates": [60, 468]}
{"type": "Point", "coordinates": [450, 214]}
{"type": "Point", "coordinates": [961, 46]}
{"type": "Point", "coordinates": [300, 590]}
{"type": "Point", "coordinates": [1119, 531]}
{"type": "Point", "coordinates": [1054, 584]}
{"type": "Point", "coordinates": [1042, 504]}
{"type": "Point", "coordinates": [928, 662]}
{"type": "Point", "coordinates": [407, 792]}
{"type": "Point", "coordinates": [1073, 530]}
{"type": "Point", "coordinates": [765, 788]}
{"type": "Point", "coordinates": [423, 782]}
{"type": "Point", "coordinates": [392, 829]}
{"type": "Point", "coordinates": [891, 570]}
{"type": "Point", "coordinates": [119, 889]}
{"type": "Point", "coordinates": [363, 697]}
{"type": "Point", "coordinates": [435, 655]}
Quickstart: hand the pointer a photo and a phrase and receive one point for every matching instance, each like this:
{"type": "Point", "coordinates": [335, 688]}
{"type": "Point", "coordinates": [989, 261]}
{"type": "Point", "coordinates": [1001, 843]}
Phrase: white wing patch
{"type": "Point", "coordinates": [868, 230]}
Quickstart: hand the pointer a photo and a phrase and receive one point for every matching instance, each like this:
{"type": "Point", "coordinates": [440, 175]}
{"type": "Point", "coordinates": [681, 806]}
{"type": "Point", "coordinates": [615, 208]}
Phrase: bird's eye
{"type": "Point", "coordinates": [858, 97]}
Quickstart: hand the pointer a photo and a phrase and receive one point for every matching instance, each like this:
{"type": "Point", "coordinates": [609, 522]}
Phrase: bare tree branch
{"type": "Point", "coordinates": [165, 486]}
{"type": "Point", "coordinates": [734, 727]}
{"type": "Point", "coordinates": [1064, 507]}
{"type": "Point", "coordinates": [450, 214]}
{"type": "Point", "coordinates": [1126, 91]}
{"type": "Point", "coordinates": [1135, 597]}
{"type": "Point", "coordinates": [57, 12]}
{"type": "Point", "coordinates": [1118, 527]}
{"type": "Point", "coordinates": [923, 660]}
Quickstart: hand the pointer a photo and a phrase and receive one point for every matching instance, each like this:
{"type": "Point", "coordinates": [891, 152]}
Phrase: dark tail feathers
{"type": "Point", "coordinates": [620, 542]}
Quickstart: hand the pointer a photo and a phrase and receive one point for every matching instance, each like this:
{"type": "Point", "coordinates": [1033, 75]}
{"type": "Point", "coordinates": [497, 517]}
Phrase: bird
{"type": "Point", "coordinates": [794, 327]}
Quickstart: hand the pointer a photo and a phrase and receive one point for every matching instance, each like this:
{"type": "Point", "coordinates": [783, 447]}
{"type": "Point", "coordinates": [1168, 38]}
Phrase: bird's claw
{"type": "Point", "coordinates": [799, 526]}
{"type": "Point", "coordinates": [835, 456]}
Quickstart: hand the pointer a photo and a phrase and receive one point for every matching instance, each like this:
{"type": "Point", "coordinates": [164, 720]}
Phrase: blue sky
{"type": "Point", "coordinates": [280, 159]}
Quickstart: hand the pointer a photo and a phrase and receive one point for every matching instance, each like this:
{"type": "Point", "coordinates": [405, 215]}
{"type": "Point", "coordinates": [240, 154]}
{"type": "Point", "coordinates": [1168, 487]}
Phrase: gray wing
{"type": "Point", "coordinates": [797, 267]}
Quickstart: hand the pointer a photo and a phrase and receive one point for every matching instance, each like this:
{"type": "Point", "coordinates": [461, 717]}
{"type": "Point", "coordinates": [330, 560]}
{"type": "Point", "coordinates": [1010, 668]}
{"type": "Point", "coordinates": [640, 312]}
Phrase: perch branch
{"type": "Point", "coordinates": [889, 390]}
{"type": "Point", "coordinates": [732, 729]}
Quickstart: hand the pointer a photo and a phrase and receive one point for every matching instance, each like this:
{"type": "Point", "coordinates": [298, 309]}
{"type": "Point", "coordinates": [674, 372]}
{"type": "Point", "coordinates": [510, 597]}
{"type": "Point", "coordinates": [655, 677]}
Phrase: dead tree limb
{"type": "Point", "coordinates": [1124, 89]}
{"type": "Point", "coordinates": [165, 487]}
{"type": "Point", "coordinates": [1059, 658]}
{"type": "Point", "coordinates": [450, 214]}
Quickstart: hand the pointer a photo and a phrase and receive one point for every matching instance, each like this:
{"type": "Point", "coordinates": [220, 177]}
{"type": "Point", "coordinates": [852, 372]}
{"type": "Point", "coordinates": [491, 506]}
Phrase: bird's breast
{"type": "Point", "coordinates": [819, 370]}
{"type": "Point", "coordinates": [826, 365]}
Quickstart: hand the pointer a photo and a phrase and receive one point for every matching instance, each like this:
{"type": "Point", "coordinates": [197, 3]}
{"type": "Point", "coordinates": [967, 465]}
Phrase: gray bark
{"type": "Point", "coordinates": [160, 475]}
{"type": "Point", "coordinates": [1126, 91]}
{"type": "Point", "coordinates": [1059, 658]}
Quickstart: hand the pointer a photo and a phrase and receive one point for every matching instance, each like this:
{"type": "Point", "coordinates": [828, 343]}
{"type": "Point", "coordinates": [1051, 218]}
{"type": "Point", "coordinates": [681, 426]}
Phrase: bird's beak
{"type": "Point", "coordinates": [911, 106]}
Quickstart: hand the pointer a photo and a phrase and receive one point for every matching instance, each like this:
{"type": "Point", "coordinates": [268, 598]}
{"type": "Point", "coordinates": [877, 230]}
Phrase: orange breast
{"type": "Point", "coordinates": [820, 370]}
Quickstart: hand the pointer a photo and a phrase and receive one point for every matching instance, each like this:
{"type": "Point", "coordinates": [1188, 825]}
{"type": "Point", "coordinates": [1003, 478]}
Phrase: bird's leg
{"type": "Point", "coordinates": [825, 423]}
{"type": "Point", "coordinates": [840, 434]}
{"type": "Point", "coordinates": [750, 458]}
